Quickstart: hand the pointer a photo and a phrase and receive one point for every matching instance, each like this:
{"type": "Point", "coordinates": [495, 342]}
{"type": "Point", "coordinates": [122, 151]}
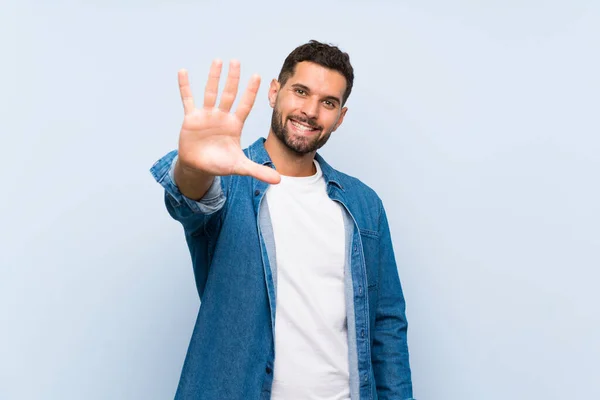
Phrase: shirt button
{"type": "Point", "coordinates": [366, 378]}
{"type": "Point", "coordinates": [256, 192]}
{"type": "Point", "coordinates": [360, 290]}
{"type": "Point", "coordinates": [268, 370]}
{"type": "Point", "coordinates": [362, 333]}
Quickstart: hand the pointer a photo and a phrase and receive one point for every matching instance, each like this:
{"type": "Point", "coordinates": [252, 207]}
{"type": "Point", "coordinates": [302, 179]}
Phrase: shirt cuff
{"type": "Point", "coordinates": [163, 173]}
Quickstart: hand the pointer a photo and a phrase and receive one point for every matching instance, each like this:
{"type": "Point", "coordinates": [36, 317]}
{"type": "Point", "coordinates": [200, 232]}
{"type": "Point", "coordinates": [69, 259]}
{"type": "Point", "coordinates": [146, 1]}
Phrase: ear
{"type": "Point", "coordinates": [340, 118]}
{"type": "Point", "coordinates": [273, 91]}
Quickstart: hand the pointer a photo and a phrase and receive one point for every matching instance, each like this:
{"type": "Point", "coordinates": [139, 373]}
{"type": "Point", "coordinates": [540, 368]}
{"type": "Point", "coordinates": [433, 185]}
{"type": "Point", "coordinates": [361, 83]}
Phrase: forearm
{"type": "Point", "coordinates": [390, 358]}
{"type": "Point", "coordinates": [191, 183]}
{"type": "Point", "coordinates": [390, 355]}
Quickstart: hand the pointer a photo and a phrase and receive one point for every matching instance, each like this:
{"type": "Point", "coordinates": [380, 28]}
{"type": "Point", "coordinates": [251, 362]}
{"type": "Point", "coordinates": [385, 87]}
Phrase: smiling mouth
{"type": "Point", "coordinates": [302, 127]}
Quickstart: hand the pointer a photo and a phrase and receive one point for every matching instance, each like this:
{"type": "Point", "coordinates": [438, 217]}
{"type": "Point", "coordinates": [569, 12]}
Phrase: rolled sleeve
{"type": "Point", "coordinates": [163, 173]}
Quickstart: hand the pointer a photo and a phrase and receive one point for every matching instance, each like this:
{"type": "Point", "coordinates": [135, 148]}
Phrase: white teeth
{"type": "Point", "coordinates": [300, 126]}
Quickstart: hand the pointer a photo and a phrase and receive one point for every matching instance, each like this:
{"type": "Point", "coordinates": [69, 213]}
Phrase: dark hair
{"type": "Point", "coordinates": [326, 55]}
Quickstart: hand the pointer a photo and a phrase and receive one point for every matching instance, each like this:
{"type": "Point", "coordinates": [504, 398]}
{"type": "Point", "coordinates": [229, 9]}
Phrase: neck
{"type": "Point", "coordinates": [288, 162]}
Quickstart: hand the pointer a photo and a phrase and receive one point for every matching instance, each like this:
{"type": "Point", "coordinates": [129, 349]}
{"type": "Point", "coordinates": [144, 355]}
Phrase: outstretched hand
{"type": "Point", "coordinates": [209, 141]}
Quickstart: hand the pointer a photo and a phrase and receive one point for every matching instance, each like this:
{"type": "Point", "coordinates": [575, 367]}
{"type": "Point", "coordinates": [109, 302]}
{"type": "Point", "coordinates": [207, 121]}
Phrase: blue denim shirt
{"type": "Point", "coordinates": [229, 235]}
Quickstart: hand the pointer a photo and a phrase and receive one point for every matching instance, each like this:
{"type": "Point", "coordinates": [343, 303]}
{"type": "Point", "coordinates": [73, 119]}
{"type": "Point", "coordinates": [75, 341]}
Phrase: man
{"type": "Point", "coordinates": [293, 260]}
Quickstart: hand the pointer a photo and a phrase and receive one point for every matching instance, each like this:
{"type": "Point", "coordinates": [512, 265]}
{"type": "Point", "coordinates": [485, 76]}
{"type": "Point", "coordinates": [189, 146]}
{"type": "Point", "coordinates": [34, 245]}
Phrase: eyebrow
{"type": "Point", "coordinates": [306, 89]}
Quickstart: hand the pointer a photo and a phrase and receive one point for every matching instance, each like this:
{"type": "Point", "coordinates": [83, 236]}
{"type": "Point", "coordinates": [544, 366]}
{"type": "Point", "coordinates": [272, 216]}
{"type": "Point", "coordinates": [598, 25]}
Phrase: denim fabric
{"type": "Point", "coordinates": [230, 239]}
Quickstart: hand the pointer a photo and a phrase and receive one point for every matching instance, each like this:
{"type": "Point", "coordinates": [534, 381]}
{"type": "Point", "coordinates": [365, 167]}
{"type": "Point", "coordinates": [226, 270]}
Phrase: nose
{"type": "Point", "coordinates": [310, 108]}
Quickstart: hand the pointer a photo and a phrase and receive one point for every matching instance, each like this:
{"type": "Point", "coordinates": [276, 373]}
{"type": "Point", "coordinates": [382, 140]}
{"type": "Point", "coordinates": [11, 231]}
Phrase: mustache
{"type": "Point", "coordinates": [310, 122]}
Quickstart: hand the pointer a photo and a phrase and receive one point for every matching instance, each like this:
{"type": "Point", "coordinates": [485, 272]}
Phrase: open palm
{"type": "Point", "coordinates": [209, 140]}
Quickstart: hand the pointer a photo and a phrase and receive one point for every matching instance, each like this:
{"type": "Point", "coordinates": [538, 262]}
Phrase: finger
{"type": "Point", "coordinates": [212, 85]}
{"type": "Point", "coordinates": [248, 98]}
{"type": "Point", "coordinates": [260, 172]}
{"type": "Point", "coordinates": [231, 86]}
{"type": "Point", "coordinates": [185, 91]}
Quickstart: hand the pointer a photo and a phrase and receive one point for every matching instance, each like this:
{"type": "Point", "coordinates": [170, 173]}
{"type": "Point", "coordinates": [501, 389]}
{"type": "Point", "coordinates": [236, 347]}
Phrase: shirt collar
{"type": "Point", "coordinates": [258, 154]}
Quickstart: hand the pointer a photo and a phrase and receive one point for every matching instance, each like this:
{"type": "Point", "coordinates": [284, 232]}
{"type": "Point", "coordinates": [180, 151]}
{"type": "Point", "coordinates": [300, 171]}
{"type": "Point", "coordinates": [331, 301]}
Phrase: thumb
{"type": "Point", "coordinates": [261, 172]}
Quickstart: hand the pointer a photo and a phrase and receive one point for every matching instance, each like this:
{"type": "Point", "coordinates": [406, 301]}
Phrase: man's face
{"type": "Point", "coordinates": [307, 109]}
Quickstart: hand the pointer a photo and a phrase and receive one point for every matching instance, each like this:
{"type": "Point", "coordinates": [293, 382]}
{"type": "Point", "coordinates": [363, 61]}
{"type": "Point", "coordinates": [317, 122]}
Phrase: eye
{"type": "Point", "coordinates": [329, 104]}
{"type": "Point", "coordinates": [301, 92]}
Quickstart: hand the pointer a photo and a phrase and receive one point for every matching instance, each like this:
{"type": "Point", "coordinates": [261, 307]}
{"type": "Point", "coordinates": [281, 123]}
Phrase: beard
{"type": "Point", "coordinates": [300, 145]}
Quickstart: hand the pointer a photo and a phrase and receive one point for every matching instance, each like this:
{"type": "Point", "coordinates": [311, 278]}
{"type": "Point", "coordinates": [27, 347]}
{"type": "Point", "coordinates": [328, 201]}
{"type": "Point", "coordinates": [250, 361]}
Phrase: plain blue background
{"type": "Point", "coordinates": [476, 122]}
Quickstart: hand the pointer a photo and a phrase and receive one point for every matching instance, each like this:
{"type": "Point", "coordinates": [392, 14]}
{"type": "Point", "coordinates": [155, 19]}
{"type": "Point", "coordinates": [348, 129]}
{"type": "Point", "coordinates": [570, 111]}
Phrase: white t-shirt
{"type": "Point", "coordinates": [311, 343]}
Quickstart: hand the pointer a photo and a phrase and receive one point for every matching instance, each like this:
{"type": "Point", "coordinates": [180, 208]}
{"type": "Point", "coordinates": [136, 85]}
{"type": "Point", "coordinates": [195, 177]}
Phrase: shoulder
{"type": "Point", "coordinates": [354, 186]}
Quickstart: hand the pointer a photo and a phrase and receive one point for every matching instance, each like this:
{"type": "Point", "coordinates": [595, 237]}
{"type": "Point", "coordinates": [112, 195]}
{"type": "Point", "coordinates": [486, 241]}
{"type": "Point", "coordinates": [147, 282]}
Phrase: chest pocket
{"type": "Point", "coordinates": [370, 244]}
